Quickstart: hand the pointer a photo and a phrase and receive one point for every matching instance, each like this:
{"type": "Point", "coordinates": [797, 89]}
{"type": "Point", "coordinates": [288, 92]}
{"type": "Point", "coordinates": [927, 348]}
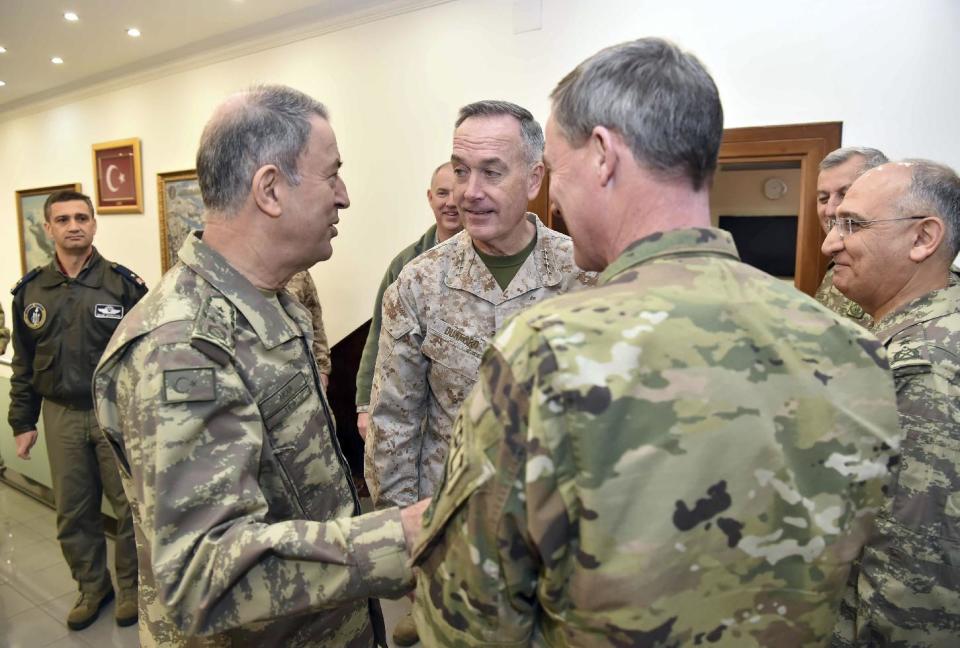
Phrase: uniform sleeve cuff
{"type": "Point", "coordinates": [363, 408]}
{"type": "Point", "coordinates": [376, 540]}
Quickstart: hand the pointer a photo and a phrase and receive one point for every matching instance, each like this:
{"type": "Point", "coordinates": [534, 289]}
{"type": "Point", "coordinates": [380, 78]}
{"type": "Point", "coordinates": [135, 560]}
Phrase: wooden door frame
{"type": "Point", "coordinates": [808, 144]}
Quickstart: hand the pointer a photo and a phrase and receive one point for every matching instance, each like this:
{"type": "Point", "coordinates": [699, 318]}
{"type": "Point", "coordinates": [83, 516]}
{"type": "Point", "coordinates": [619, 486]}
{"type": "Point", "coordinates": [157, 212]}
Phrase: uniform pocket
{"type": "Point", "coordinates": [45, 367]}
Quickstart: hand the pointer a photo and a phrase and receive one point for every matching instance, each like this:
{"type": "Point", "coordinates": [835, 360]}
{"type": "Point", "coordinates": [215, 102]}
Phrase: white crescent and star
{"type": "Point", "coordinates": [110, 185]}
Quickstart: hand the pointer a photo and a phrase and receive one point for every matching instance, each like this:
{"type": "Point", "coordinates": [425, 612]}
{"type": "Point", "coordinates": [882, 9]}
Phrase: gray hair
{"type": "Point", "coordinates": [934, 191]}
{"type": "Point", "coordinates": [661, 100]}
{"type": "Point", "coordinates": [270, 125]}
{"type": "Point", "coordinates": [530, 132]}
{"type": "Point", "coordinates": [871, 158]}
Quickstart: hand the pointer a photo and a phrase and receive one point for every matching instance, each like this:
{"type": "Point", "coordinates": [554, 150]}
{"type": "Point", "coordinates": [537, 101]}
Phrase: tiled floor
{"type": "Point", "coordinates": [36, 590]}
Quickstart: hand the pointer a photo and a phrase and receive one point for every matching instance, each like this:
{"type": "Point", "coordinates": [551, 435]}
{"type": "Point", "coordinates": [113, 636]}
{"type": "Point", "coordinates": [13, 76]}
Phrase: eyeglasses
{"type": "Point", "coordinates": [847, 226]}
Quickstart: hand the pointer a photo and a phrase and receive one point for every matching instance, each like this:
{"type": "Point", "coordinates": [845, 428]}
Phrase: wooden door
{"type": "Point", "coordinates": [808, 144]}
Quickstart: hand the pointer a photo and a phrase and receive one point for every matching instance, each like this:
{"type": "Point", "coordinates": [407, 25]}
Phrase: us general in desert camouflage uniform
{"type": "Point", "coordinates": [438, 318]}
{"type": "Point", "coordinates": [247, 521]}
{"type": "Point", "coordinates": [689, 453]}
{"type": "Point", "coordinates": [302, 287]}
{"type": "Point", "coordinates": [909, 583]}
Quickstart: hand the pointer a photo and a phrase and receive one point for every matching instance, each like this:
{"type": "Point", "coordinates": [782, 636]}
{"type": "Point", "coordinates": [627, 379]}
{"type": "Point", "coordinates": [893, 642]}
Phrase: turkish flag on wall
{"type": "Point", "coordinates": [115, 176]}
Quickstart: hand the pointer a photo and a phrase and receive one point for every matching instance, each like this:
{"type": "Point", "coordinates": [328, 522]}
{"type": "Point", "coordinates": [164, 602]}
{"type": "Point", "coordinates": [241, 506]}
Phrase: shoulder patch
{"type": "Point", "coordinates": [189, 385]}
{"type": "Point", "coordinates": [910, 355]}
{"type": "Point", "coordinates": [128, 274]}
{"type": "Point", "coordinates": [213, 330]}
{"type": "Point", "coordinates": [25, 279]}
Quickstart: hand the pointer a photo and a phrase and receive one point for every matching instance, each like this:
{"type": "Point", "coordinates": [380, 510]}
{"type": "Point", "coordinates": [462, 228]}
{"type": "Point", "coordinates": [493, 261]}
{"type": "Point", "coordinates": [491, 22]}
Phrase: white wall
{"type": "Point", "coordinates": [885, 68]}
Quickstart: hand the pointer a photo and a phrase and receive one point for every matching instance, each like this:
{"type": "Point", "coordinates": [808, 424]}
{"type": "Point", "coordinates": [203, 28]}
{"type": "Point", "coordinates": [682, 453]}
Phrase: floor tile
{"type": "Point", "coordinates": [12, 602]}
{"type": "Point", "coordinates": [46, 584]}
{"type": "Point", "coordinates": [72, 640]}
{"type": "Point", "coordinates": [30, 629]}
{"type": "Point", "coordinates": [27, 558]}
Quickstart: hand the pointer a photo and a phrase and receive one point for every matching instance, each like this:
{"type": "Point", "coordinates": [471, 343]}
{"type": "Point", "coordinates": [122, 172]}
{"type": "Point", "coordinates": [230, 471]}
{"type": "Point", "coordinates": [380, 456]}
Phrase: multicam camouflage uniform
{"type": "Point", "coordinates": [689, 454]}
{"type": "Point", "coordinates": [908, 588]}
{"type": "Point", "coordinates": [438, 318]}
{"type": "Point", "coordinates": [828, 295]}
{"type": "Point", "coordinates": [247, 521]}
{"type": "Point", "coordinates": [302, 287]}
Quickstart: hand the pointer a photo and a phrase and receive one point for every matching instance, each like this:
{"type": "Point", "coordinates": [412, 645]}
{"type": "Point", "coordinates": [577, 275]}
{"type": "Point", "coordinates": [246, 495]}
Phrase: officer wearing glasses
{"type": "Point", "coordinates": [838, 170]}
{"type": "Point", "coordinates": [892, 242]}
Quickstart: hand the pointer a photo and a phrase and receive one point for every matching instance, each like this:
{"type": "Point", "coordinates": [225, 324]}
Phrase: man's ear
{"type": "Point", "coordinates": [604, 151]}
{"type": "Point", "coordinates": [534, 180]}
{"type": "Point", "coordinates": [47, 229]}
{"type": "Point", "coordinates": [927, 239]}
{"type": "Point", "coordinates": [265, 189]}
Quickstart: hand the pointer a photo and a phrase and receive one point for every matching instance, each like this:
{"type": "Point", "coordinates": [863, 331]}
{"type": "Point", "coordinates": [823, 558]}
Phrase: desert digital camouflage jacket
{"type": "Point", "coordinates": [689, 454]}
{"type": "Point", "coordinates": [908, 589]}
{"type": "Point", "coordinates": [247, 523]}
{"type": "Point", "coordinates": [438, 318]}
{"type": "Point", "coordinates": [828, 295]}
{"type": "Point", "coordinates": [302, 287]}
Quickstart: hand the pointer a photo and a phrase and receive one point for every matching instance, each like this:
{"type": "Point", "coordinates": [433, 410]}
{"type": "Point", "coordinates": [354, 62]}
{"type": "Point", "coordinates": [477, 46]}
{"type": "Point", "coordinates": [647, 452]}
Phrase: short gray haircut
{"type": "Point", "coordinates": [660, 99]}
{"type": "Point", "coordinates": [934, 191]}
{"type": "Point", "coordinates": [270, 125]}
{"type": "Point", "coordinates": [871, 158]}
{"type": "Point", "coordinates": [531, 134]}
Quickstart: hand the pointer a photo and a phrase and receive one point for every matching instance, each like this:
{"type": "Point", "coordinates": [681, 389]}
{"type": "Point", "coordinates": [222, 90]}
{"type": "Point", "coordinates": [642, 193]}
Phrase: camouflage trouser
{"type": "Point", "coordinates": [83, 469]}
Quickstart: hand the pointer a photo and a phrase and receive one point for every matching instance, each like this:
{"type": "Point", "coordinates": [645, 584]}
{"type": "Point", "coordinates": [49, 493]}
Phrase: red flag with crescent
{"type": "Point", "coordinates": [115, 176]}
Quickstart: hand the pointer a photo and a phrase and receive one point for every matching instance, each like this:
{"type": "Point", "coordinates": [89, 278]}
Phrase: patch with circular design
{"type": "Point", "coordinates": [34, 315]}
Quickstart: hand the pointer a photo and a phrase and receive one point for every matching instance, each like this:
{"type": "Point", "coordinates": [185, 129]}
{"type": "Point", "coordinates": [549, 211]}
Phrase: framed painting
{"type": "Point", "coordinates": [35, 248]}
{"type": "Point", "coordinates": [116, 172]}
{"type": "Point", "coordinates": [181, 212]}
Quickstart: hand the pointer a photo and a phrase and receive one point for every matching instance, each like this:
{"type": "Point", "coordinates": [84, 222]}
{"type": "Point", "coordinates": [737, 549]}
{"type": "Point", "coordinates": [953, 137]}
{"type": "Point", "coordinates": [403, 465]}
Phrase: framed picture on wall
{"type": "Point", "coordinates": [35, 248]}
{"type": "Point", "coordinates": [181, 212]}
{"type": "Point", "coordinates": [116, 170]}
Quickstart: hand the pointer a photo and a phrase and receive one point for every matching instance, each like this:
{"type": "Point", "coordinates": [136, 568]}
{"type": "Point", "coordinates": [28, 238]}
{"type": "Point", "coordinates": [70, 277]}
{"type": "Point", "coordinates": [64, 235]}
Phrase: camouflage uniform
{"type": "Point", "coordinates": [828, 295]}
{"type": "Point", "coordinates": [689, 454]}
{"type": "Point", "coordinates": [247, 522]}
{"type": "Point", "coordinates": [368, 361]}
{"type": "Point", "coordinates": [4, 332]}
{"type": "Point", "coordinates": [908, 589]}
{"type": "Point", "coordinates": [438, 318]}
{"type": "Point", "coordinates": [302, 287]}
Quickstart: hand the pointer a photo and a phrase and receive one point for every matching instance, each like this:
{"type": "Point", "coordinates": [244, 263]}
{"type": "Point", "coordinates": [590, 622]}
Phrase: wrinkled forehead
{"type": "Point", "coordinates": [876, 191]}
{"type": "Point", "coordinates": [487, 137]}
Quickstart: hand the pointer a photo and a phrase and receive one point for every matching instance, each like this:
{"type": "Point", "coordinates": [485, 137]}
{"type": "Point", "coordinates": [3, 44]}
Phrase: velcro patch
{"type": "Point", "coordinates": [278, 405]}
{"type": "Point", "coordinates": [108, 311]}
{"type": "Point", "coordinates": [189, 385]}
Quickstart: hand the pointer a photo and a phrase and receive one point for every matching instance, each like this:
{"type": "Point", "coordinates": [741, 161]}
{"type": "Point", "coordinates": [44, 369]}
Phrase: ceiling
{"type": "Point", "coordinates": [97, 50]}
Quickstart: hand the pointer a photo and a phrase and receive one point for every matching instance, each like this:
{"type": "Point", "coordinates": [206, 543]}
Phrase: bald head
{"type": "Point", "coordinates": [264, 125]}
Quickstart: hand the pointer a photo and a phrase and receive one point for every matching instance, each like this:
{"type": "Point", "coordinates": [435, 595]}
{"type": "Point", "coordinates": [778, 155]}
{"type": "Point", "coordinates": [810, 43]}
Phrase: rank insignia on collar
{"type": "Point", "coordinates": [34, 315]}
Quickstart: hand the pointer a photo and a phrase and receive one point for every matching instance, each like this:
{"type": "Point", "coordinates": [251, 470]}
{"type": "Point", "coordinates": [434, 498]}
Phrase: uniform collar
{"type": "Point", "coordinates": [694, 241]}
{"type": "Point", "coordinates": [469, 273]}
{"type": "Point", "coordinates": [933, 305]}
{"type": "Point", "coordinates": [269, 324]}
{"type": "Point", "coordinates": [91, 275]}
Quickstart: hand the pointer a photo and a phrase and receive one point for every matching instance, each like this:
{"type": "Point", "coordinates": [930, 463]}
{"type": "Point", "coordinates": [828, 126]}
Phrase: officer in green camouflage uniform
{"type": "Point", "coordinates": [688, 454]}
{"type": "Point", "coordinates": [896, 236]}
{"type": "Point", "coordinates": [248, 525]}
{"type": "Point", "coordinates": [301, 286]}
{"type": "Point", "coordinates": [447, 304]}
{"type": "Point", "coordinates": [64, 315]}
{"type": "Point", "coordinates": [838, 170]}
{"type": "Point", "coordinates": [440, 197]}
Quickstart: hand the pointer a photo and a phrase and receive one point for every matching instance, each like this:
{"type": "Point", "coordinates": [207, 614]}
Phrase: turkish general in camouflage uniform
{"type": "Point", "coordinates": [438, 318]}
{"type": "Point", "coordinates": [242, 501]}
{"type": "Point", "coordinates": [896, 240]}
{"type": "Point", "coordinates": [248, 525]}
{"type": "Point", "coordinates": [302, 287]}
{"type": "Point", "coordinates": [686, 454]}
{"type": "Point", "coordinates": [909, 594]}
